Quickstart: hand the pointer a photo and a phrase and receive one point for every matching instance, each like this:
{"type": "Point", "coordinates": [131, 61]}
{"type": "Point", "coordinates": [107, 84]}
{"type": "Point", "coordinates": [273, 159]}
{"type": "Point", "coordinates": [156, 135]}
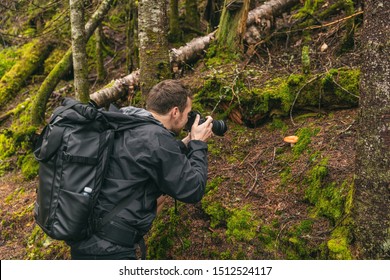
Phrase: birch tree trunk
{"type": "Point", "coordinates": [80, 62]}
{"type": "Point", "coordinates": [372, 185]}
{"type": "Point", "coordinates": [154, 52]}
{"type": "Point", "coordinates": [62, 67]}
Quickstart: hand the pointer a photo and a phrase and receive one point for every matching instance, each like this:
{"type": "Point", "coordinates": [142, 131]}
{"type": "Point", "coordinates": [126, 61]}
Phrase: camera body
{"type": "Point", "coordinates": [219, 126]}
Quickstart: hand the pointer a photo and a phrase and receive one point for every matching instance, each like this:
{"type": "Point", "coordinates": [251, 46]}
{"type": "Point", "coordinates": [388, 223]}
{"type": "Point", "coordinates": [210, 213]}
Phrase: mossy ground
{"type": "Point", "coordinates": [265, 199]}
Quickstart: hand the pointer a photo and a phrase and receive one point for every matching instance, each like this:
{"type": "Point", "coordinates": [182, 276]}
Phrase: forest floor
{"type": "Point", "coordinates": [254, 170]}
{"type": "Point", "coordinates": [254, 177]}
{"type": "Point", "coordinates": [250, 164]}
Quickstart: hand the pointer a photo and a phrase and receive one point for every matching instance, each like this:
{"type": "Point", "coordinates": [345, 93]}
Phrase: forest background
{"type": "Point", "coordinates": [317, 69]}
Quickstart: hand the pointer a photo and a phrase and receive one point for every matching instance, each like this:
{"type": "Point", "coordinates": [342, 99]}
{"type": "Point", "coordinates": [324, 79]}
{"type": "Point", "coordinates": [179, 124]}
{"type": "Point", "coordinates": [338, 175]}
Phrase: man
{"type": "Point", "coordinates": [147, 162]}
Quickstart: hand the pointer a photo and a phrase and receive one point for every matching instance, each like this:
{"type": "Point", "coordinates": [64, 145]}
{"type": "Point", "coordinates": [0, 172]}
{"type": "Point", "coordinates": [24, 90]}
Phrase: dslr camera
{"type": "Point", "coordinates": [219, 126]}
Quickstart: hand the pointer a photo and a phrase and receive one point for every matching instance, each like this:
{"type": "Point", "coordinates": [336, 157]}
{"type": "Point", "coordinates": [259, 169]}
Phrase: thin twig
{"type": "Point", "coordinates": [333, 80]}
{"type": "Point", "coordinates": [299, 91]}
{"type": "Point", "coordinates": [254, 183]}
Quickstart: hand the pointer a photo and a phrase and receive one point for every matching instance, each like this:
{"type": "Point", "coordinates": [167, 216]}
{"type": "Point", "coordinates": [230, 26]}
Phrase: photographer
{"type": "Point", "coordinates": [146, 163]}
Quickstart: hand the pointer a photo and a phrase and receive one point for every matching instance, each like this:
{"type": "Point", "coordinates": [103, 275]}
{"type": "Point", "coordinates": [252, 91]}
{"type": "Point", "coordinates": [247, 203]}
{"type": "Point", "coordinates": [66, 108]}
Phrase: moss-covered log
{"type": "Point", "coordinates": [282, 96]}
{"type": "Point", "coordinates": [47, 87]}
{"type": "Point", "coordinates": [34, 53]}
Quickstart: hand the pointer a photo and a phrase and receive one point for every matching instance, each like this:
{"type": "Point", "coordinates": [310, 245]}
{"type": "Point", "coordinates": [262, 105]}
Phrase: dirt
{"type": "Point", "coordinates": [17, 196]}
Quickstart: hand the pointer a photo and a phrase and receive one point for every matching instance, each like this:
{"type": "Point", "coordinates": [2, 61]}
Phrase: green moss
{"type": "Point", "coordinates": [213, 184]}
{"type": "Point", "coordinates": [315, 179]}
{"type": "Point", "coordinates": [343, 85]}
{"type": "Point", "coordinates": [335, 88]}
{"type": "Point", "coordinates": [216, 211]}
{"type": "Point", "coordinates": [227, 255]}
{"type": "Point", "coordinates": [242, 225]}
{"type": "Point", "coordinates": [8, 57]}
{"type": "Point", "coordinates": [305, 135]}
{"type": "Point", "coordinates": [18, 137]}
{"type": "Point", "coordinates": [305, 58]}
{"type": "Point", "coordinates": [338, 245]}
{"type": "Point", "coordinates": [224, 56]}
{"type": "Point", "coordinates": [330, 200]}
{"type": "Point", "coordinates": [285, 177]}
{"type": "Point", "coordinates": [348, 41]}
{"type": "Point", "coordinates": [29, 166]}
{"type": "Point", "coordinates": [42, 247]}
{"type": "Point", "coordinates": [164, 232]}
{"type": "Point", "coordinates": [278, 124]}
{"type": "Point", "coordinates": [33, 53]}
{"type": "Point", "coordinates": [296, 245]}
{"type": "Point", "coordinates": [54, 57]}
{"type": "Point", "coordinates": [14, 195]}
{"type": "Point", "coordinates": [268, 236]}
{"type": "Point", "coordinates": [309, 7]}
{"type": "Point", "coordinates": [7, 145]}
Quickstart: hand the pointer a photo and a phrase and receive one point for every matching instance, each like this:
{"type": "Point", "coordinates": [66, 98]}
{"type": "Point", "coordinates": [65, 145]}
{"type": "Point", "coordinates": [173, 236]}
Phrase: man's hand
{"type": "Point", "coordinates": [201, 132]}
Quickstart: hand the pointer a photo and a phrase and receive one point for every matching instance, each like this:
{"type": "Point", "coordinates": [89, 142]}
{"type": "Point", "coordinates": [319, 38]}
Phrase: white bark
{"type": "Point", "coordinates": [80, 63]}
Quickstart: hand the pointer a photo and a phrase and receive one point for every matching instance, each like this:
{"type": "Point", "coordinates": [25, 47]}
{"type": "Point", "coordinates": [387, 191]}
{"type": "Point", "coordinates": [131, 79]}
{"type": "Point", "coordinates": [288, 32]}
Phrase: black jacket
{"type": "Point", "coordinates": [147, 161]}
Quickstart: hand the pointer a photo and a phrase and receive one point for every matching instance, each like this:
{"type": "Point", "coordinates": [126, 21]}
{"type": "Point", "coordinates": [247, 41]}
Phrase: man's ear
{"type": "Point", "coordinates": [175, 112]}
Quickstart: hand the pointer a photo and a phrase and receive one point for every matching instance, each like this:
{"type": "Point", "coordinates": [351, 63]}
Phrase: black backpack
{"type": "Point", "coordinates": [73, 152]}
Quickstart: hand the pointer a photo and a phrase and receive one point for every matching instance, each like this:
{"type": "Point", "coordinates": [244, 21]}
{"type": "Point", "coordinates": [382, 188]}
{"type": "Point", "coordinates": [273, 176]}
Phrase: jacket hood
{"type": "Point", "coordinates": [131, 111]}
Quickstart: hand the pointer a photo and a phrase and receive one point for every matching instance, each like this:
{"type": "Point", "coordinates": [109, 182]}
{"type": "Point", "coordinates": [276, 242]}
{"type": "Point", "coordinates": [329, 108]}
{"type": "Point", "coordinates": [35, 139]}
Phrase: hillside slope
{"type": "Point", "coordinates": [265, 198]}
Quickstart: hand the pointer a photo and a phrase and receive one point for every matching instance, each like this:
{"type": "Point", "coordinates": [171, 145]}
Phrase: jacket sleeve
{"type": "Point", "coordinates": [181, 177]}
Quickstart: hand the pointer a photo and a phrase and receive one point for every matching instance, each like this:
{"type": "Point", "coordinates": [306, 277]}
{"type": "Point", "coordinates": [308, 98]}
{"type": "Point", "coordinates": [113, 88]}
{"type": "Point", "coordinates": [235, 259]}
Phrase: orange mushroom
{"type": "Point", "coordinates": [291, 139]}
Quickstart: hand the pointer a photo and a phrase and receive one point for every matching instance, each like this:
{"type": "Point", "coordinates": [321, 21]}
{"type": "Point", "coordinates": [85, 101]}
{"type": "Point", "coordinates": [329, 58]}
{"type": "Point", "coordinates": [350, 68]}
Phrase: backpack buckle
{"type": "Point", "coordinates": [66, 156]}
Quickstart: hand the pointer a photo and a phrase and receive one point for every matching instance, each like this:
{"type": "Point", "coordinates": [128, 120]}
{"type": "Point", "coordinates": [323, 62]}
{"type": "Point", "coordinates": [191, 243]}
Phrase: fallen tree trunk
{"type": "Point", "coordinates": [64, 66]}
{"type": "Point", "coordinates": [261, 19]}
{"type": "Point", "coordinates": [33, 56]}
{"type": "Point", "coordinates": [191, 51]}
{"type": "Point", "coordinates": [281, 96]}
{"type": "Point", "coordinates": [119, 88]}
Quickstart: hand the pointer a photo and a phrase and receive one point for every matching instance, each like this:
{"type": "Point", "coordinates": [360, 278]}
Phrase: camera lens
{"type": "Point", "coordinates": [219, 127]}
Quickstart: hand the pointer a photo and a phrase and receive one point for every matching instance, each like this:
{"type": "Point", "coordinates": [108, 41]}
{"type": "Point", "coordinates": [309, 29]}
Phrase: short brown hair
{"type": "Point", "coordinates": [166, 95]}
